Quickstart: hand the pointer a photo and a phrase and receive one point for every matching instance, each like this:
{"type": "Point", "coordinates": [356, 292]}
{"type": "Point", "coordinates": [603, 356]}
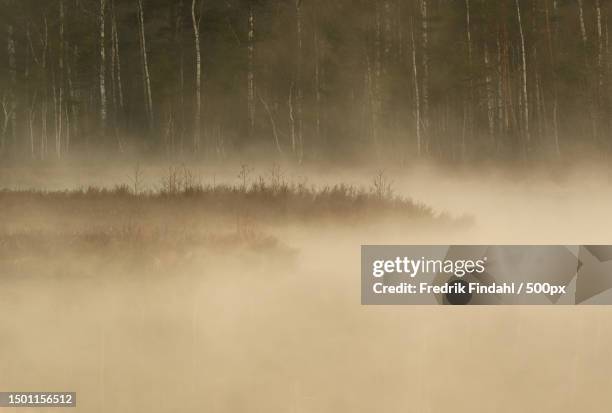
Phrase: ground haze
{"type": "Point", "coordinates": [153, 303]}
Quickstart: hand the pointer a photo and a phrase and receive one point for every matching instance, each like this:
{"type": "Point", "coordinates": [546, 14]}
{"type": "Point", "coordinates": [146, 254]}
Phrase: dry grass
{"type": "Point", "coordinates": [272, 199]}
{"type": "Point", "coordinates": [184, 218]}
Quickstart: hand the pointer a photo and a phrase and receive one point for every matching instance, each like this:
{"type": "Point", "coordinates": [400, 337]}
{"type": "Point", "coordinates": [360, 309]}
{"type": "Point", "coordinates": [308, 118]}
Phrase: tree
{"type": "Point", "coordinates": [198, 87]}
{"type": "Point", "coordinates": [524, 73]}
{"type": "Point", "coordinates": [146, 78]}
{"type": "Point", "coordinates": [102, 67]}
{"type": "Point", "coordinates": [325, 79]}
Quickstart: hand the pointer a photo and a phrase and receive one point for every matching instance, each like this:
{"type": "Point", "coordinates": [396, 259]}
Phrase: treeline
{"type": "Point", "coordinates": [305, 79]}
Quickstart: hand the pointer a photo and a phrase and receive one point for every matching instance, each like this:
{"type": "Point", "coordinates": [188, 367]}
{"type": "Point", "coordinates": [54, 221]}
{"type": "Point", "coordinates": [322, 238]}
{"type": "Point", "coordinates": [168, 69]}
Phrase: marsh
{"type": "Point", "coordinates": [155, 303]}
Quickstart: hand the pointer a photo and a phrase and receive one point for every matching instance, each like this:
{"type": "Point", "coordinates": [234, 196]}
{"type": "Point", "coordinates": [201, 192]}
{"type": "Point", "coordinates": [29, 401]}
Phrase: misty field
{"type": "Point", "coordinates": [184, 218]}
{"type": "Point", "coordinates": [183, 288]}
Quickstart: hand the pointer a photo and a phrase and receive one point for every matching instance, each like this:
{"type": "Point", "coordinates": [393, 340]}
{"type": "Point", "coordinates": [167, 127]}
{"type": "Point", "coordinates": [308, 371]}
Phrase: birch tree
{"type": "Point", "coordinates": [10, 106]}
{"type": "Point", "coordinates": [60, 109]}
{"type": "Point", "coordinates": [298, 82]}
{"type": "Point", "coordinates": [417, 99]}
{"type": "Point", "coordinates": [117, 87]}
{"type": "Point", "coordinates": [102, 67]}
{"type": "Point", "coordinates": [40, 58]}
{"type": "Point", "coordinates": [198, 80]}
{"type": "Point", "coordinates": [146, 78]}
{"type": "Point", "coordinates": [583, 31]}
{"type": "Point", "coordinates": [551, 40]}
{"type": "Point", "coordinates": [317, 80]}
{"type": "Point", "coordinates": [251, 71]}
{"type": "Point", "coordinates": [467, 111]}
{"type": "Point", "coordinates": [585, 41]}
{"type": "Point", "coordinates": [425, 58]}
{"type": "Point", "coordinates": [600, 53]}
{"type": "Point", "coordinates": [524, 73]}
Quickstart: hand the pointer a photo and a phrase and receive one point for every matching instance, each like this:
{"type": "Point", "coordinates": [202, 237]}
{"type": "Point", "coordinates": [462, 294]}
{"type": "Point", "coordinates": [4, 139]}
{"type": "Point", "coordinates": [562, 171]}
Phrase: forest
{"type": "Point", "coordinates": [312, 80]}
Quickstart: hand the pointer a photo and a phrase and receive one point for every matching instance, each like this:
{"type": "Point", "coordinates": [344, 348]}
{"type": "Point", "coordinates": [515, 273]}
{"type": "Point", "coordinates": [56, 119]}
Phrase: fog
{"type": "Point", "coordinates": [225, 284]}
{"type": "Point", "coordinates": [232, 328]}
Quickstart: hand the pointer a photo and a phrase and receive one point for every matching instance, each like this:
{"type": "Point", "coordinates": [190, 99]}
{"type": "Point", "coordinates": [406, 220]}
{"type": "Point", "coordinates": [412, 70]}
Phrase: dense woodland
{"type": "Point", "coordinates": [305, 80]}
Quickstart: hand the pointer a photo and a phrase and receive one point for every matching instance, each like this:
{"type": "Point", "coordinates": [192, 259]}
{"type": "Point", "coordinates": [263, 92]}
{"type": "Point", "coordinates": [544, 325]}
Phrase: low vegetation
{"type": "Point", "coordinates": [272, 199]}
{"type": "Point", "coordinates": [183, 219]}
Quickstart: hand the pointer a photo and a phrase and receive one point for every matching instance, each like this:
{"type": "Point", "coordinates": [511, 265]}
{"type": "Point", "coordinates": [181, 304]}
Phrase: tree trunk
{"type": "Point", "coordinates": [60, 109]}
{"type": "Point", "coordinates": [371, 103]}
{"type": "Point", "coordinates": [145, 67]}
{"type": "Point", "coordinates": [417, 98]}
{"type": "Point", "coordinates": [116, 78]}
{"type": "Point", "coordinates": [58, 82]}
{"type": "Point", "coordinates": [583, 32]}
{"type": "Point", "coordinates": [272, 124]}
{"type": "Point", "coordinates": [467, 109]}
{"type": "Point", "coordinates": [12, 64]}
{"type": "Point", "coordinates": [251, 74]}
{"type": "Point", "coordinates": [374, 80]}
{"type": "Point", "coordinates": [387, 31]}
{"type": "Point", "coordinates": [73, 94]}
{"type": "Point", "coordinates": [102, 68]}
{"type": "Point", "coordinates": [298, 83]}
{"type": "Point", "coordinates": [600, 43]}
{"type": "Point", "coordinates": [292, 119]}
{"type": "Point", "coordinates": [551, 53]}
{"type": "Point", "coordinates": [425, 58]}
{"type": "Point", "coordinates": [588, 84]}
{"type": "Point", "coordinates": [524, 70]}
{"type": "Point", "coordinates": [31, 119]}
{"type": "Point", "coordinates": [601, 95]}
{"type": "Point", "coordinates": [118, 63]}
{"type": "Point", "coordinates": [490, 95]}
{"type": "Point", "coordinates": [179, 105]}
{"type": "Point", "coordinates": [317, 84]}
{"type": "Point", "coordinates": [198, 92]}
{"type": "Point", "coordinates": [500, 87]}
